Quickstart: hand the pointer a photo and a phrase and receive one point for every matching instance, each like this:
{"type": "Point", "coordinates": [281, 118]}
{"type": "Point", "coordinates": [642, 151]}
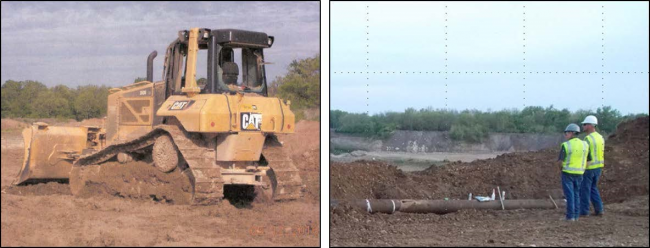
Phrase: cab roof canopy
{"type": "Point", "coordinates": [230, 38]}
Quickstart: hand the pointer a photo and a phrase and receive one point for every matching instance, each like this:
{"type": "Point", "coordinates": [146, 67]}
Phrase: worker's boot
{"type": "Point", "coordinates": [597, 214]}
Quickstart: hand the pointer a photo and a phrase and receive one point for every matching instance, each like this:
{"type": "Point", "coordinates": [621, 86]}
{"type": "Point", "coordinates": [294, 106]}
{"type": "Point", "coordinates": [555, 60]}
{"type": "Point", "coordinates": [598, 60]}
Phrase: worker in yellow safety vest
{"type": "Point", "coordinates": [589, 189]}
{"type": "Point", "coordinates": [573, 160]}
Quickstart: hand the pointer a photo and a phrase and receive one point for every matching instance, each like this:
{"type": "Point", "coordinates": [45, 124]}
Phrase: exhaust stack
{"type": "Point", "coordinates": [152, 55]}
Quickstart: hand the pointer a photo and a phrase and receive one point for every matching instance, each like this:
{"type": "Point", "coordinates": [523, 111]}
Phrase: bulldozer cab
{"type": "Point", "coordinates": [235, 62]}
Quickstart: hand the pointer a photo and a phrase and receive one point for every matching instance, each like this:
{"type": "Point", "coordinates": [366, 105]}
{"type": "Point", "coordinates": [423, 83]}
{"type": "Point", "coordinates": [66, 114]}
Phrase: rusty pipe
{"type": "Point", "coordinates": [444, 207]}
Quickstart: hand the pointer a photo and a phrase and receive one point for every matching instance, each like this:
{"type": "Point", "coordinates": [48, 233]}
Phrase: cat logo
{"type": "Point", "coordinates": [180, 105]}
{"type": "Point", "coordinates": [251, 121]}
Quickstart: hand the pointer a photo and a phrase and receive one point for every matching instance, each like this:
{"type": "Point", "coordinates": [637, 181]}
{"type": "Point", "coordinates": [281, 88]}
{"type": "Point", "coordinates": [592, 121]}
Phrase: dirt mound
{"type": "Point", "coordinates": [306, 137]}
{"type": "Point", "coordinates": [50, 188]}
{"type": "Point", "coordinates": [135, 180]}
{"type": "Point", "coordinates": [521, 175]}
{"type": "Point", "coordinates": [631, 133]}
{"type": "Point", "coordinates": [377, 180]}
{"type": "Point", "coordinates": [369, 180]}
{"type": "Point", "coordinates": [304, 148]}
{"type": "Point", "coordinates": [626, 161]}
{"type": "Point", "coordinates": [309, 165]}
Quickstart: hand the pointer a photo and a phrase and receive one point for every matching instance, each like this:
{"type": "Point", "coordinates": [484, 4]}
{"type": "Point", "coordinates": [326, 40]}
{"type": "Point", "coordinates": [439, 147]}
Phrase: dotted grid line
{"type": "Point", "coordinates": [603, 55]}
{"type": "Point", "coordinates": [446, 57]}
{"type": "Point", "coordinates": [602, 72]}
{"type": "Point", "coordinates": [367, 58]}
{"type": "Point", "coordinates": [524, 55]}
{"type": "Point", "coordinates": [490, 72]}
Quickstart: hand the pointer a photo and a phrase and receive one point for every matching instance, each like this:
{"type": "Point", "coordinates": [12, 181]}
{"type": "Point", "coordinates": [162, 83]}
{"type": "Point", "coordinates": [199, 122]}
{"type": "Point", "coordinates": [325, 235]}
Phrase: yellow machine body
{"type": "Point", "coordinates": [50, 151]}
{"type": "Point", "coordinates": [242, 120]}
{"type": "Point", "coordinates": [224, 133]}
{"type": "Point", "coordinates": [240, 123]}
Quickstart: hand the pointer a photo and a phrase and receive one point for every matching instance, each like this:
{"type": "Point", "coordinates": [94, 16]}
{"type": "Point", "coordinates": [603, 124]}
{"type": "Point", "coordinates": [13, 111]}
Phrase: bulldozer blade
{"type": "Point", "coordinates": [50, 152]}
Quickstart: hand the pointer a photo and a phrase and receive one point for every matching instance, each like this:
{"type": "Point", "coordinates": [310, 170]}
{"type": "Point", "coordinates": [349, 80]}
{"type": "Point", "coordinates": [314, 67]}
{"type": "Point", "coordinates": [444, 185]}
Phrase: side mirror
{"type": "Point", "coordinates": [271, 40]}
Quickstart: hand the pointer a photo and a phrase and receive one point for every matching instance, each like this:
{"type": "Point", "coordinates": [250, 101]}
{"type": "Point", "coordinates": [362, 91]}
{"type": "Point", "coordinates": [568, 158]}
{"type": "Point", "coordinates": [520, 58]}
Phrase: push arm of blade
{"type": "Point", "coordinates": [191, 87]}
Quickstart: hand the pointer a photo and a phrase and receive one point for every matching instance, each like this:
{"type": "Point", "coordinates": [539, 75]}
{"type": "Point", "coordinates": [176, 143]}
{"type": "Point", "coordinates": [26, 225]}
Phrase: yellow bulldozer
{"type": "Point", "coordinates": [221, 132]}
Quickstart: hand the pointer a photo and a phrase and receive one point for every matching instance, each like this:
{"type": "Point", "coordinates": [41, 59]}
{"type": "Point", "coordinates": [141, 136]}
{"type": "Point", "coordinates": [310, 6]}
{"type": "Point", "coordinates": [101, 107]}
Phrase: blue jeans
{"type": "Point", "coordinates": [571, 185]}
{"type": "Point", "coordinates": [589, 191]}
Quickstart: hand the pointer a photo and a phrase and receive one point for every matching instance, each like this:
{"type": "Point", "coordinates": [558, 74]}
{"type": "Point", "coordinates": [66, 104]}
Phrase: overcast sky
{"type": "Point", "coordinates": [78, 43]}
{"type": "Point", "coordinates": [488, 37]}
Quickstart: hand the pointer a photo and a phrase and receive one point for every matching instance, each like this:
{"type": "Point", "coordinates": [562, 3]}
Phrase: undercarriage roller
{"type": "Point", "coordinates": [165, 154]}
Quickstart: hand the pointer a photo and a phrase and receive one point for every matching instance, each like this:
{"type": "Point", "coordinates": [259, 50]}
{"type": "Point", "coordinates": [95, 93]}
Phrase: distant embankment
{"type": "Point", "coordinates": [432, 141]}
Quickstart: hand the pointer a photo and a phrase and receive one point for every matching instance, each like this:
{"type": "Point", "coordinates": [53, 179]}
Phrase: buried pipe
{"type": "Point", "coordinates": [444, 207]}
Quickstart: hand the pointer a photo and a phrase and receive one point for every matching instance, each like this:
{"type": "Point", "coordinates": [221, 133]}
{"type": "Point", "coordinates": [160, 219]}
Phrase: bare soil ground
{"type": "Point", "coordinates": [530, 175]}
{"type": "Point", "coordinates": [49, 215]}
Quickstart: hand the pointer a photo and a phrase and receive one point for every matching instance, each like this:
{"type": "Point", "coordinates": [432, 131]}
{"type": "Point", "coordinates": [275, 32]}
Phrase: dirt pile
{"type": "Point", "coordinates": [633, 133]}
{"type": "Point", "coordinates": [378, 180]}
{"type": "Point", "coordinates": [367, 180]}
{"type": "Point", "coordinates": [304, 148]}
{"type": "Point", "coordinates": [521, 175]}
{"type": "Point", "coordinates": [50, 188]}
{"type": "Point", "coordinates": [135, 180]}
{"type": "Point", "coordinates": [626, 161]}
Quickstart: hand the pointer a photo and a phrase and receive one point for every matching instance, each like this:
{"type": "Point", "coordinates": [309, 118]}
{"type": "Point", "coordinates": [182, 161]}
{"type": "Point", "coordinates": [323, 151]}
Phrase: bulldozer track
{"type": "Point", "coordinates": [203, 172]}
{"type": "Point", "coordinates": [289, 184]}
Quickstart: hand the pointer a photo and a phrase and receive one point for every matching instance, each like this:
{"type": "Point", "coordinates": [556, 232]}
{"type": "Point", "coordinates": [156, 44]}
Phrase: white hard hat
{"type": "Point", "coordinates": [590, 120]}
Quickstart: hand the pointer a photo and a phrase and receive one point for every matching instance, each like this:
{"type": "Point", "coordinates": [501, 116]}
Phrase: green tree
{"type": "Point", "coordinates": [474, 125]}
{"type": "Point", "coordinates": [357, 123]}
{"type": "Point", "coordinates": [301, 85]}
{"type": "Point", "coordinates": [607, 119]}
{"type": "Point", "coordinates": [62, 91]}
{"type": "Point", "coordinates": [335, 118]}
{"type": "Point", "coordinates": [139, 79]}
{"type": "Point", "coordinates": [29, 93]}
{"type": "Point", "coordinates": [48, 104]}
{"type": "Point", "coordinates": [10, 93]}
{"type": "Point", "coordinates": [91, 102]}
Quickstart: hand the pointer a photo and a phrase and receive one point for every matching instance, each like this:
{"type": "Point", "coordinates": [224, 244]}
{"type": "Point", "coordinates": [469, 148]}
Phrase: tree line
{"type": "Point", "coordinates": [473, 125]}
{"type": "Point", "coordinates": [32, 99]}
{"type": "Point", "coordinates": [301, 85]}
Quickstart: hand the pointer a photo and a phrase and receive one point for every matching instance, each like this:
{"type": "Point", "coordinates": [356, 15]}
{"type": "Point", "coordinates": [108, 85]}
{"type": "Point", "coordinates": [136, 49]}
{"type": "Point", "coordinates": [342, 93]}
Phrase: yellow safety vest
{"type": "Point", "coordinates": [575, 160]}
{"type": "Point", "coordinates": [597, 149]}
